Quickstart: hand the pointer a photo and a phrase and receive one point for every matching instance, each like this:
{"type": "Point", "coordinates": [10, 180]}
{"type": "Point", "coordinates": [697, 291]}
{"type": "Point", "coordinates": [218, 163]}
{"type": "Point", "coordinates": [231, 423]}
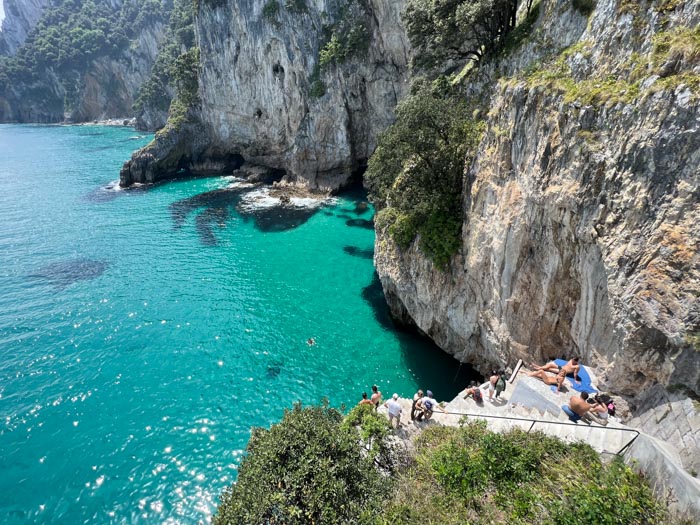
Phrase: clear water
{"type": "Point", "coordinates": [143, 333]}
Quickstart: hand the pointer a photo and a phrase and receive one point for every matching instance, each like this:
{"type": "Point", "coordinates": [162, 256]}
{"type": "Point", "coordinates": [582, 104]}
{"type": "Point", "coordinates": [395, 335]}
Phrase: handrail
{"type": "Point", "coordinates": [563, 423]}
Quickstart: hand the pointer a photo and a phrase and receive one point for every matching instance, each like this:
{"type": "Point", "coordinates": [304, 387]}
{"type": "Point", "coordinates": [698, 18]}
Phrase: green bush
{"type": "Point", "coordinates": [457, 30]}
{"type": "Point", "coordinates": [271, 10]}
{"type": "Point", "coordinates": [296, 6]}
{"type": "Point", "coordinates": [472, 475]}
{"type": "Point", "coordinates": [418, 168]}
{"type": "Point", "coordinates": [308, 468]}
{"type": "Point", "coordinates": [348, 36]}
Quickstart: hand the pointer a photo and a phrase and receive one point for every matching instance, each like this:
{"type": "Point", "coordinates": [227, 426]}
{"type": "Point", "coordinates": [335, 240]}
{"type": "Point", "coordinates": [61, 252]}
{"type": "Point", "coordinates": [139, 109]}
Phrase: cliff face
{"type": "Point", "coordinates": [581, 210]}
{"type": "Point", "coordinates": [106, 89]}
{"type": "Point", "coordinates": [20, 18]}
{"type": "Point", "coordinates": [81, 63]}
{"type": "Point", "coordinates": [265, 96]}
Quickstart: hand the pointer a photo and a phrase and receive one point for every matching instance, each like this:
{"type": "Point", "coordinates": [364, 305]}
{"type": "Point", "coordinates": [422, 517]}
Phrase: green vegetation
{"type": "Point", "coordinates": [415, 175]}
{"type": "Point", "coordinates": [674, 55]}
{"type": "Point", "coordinates": [179, 38]}
{"type": "Point", "coordinates": [311, 468]}
{"type": "Point", "coordinates": [270, 10]}
{"type": "Point", "coordinates": [348, 37]}
{"type": "Point", "coordinates": [585, 7]}
{"type": "Point", "coordinates": [682, 46]}
{"type": "Point", "coordinates": [296, 6]}
{"type": "Point", "coordinates": [318, 88]}
{"type": "Point", "coordinates": [458, 30]}
{"type": "Point", "coordinates": [522, 31]}
{"type": "Point", "coordinates": [70, 34]}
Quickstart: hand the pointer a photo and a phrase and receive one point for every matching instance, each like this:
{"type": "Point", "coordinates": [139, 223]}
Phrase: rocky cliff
{"type": "Point", "coordinates": [20, 18]}
{"type": "Point", "coordinates": [81, 61]}
{"type": "Point", "coordinates": [581, 210]}
{"type": "Point", "coordinates": [299, 85]}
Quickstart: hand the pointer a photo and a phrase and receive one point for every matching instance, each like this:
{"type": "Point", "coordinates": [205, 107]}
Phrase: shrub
{"type": "Point", "coordinates": [418, 169]}
{"type": "Point", "coordinates": [457, 30]}
{"type": "Point", "coordinates": [271, 10]}
{"type": "Point", "coordinates": [516, 477]}
{"type": "Point", "coordinates": [308, 468]}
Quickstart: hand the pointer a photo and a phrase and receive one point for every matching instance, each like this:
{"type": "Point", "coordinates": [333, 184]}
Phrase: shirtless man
{"type": "Point", "coordinates": [577, 407]}
{"type": "Point", "coordinates": [364, 400]}
{"type": "Point", "coordinates": [572, 367]}
{"type": "Point", "coordinates": [376, 396]}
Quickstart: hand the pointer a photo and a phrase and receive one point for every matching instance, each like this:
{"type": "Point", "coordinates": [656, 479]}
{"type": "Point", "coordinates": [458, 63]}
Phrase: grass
{"type": "Point", "coordinates": [674, 55]}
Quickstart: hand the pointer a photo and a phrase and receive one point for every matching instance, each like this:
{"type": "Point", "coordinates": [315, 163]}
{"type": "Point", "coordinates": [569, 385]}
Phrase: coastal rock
{"type": "Point", "coordinates": [265, 96]}
{"type": "Point", "coordinates": [168, 154]}
{"type": "Point", "coordinates": [20, 18]}
{"type": "Point", "coordinates": [580, 217]}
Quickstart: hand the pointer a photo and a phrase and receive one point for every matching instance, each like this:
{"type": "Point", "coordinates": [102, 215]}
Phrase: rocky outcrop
{"type": "Point", "coordinates": [264, 95]}
{"type": "Point", "coordinates": [20, 18]}
{"type": "Point", "coordinates": [580, 210]}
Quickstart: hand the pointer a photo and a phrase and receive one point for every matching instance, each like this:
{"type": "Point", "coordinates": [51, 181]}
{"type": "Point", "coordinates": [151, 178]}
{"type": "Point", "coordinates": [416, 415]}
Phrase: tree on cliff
{"type": "Point", "coordinates": [308, 468]}
{"type": "Point", "coordinates": [415, 175]}
{"type": "Point", "coordinates": [457, 30]}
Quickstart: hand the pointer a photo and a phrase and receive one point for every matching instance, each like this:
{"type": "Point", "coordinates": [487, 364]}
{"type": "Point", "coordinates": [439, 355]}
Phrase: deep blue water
{"type": "Point", "coordinates": [143, 333]}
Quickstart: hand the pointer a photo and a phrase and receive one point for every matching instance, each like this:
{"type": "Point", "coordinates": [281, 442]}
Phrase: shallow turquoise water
{"type": "Point", "coordinates": [143, 333]}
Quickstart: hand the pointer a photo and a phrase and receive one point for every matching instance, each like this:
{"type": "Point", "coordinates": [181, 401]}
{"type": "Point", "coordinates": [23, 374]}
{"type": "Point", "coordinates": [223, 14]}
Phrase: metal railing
{"type": "Point", "coordinates": [562, 423]}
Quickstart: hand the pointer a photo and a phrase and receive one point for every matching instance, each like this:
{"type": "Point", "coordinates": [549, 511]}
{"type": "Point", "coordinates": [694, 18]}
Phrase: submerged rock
{"type": "Point", "coordinates": [64, 273]}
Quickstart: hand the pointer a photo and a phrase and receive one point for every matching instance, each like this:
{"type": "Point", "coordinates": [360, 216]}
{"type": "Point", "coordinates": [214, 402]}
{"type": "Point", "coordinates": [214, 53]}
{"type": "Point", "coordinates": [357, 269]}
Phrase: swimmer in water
{"type": "Point", "coordinates": [311, 341]}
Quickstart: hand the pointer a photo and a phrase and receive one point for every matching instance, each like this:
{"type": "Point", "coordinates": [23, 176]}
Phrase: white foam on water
{"type": "Point", "coordinates": [261, 199]}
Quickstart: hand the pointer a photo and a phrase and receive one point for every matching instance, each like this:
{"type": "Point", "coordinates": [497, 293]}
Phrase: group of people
{"type": "Point", "coordinates": [496, 384]}
{"type": "Point", "coordinates": [422, 408]}
{"type": "Point", "coordinates": [584, 407]}
{"type": "Point", "coordinates": [598, 408]}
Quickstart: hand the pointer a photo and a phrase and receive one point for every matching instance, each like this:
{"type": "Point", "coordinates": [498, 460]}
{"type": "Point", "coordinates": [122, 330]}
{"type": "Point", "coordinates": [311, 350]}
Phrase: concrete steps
{"type": "Point", "coordinates": [543, 407]}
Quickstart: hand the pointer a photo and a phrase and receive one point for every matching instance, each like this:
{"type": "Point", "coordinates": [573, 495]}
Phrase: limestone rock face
{"type": "Point", "coordinates": [20, 18]}
{"type": "Point", "coordinates": [257, 71]}
{"type": "Point", "coordinates": [580, 231]}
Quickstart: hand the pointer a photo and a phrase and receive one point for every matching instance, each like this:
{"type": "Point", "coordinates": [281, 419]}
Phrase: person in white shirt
{"type": "Point", "coordinates": [394, 411]}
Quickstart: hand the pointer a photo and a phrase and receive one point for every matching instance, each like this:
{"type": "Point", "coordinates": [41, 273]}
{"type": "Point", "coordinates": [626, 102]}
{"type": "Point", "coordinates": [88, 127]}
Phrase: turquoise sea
{"type": "Point", "coordinates": [144, 332]}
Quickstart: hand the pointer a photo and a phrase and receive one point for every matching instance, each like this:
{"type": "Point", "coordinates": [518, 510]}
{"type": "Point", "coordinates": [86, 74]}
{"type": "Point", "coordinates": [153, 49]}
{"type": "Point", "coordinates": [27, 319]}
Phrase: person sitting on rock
{"type": "Point", "coordinates": [474, 391]}
{"type": "Point", "coordinates": [577, 407]}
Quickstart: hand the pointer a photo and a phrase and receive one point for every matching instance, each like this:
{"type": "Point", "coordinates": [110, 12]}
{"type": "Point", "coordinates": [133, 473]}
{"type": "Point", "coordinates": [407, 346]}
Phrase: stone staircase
{"type": "Point", "coordinates": [527, 404]}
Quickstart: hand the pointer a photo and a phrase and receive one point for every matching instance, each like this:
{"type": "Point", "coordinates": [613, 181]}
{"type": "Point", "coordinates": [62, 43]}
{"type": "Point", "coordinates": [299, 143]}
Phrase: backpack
{"type": "Point", "coordinates": [501, 384]}
{"type": "Point", "coordinates": [478, 396]}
